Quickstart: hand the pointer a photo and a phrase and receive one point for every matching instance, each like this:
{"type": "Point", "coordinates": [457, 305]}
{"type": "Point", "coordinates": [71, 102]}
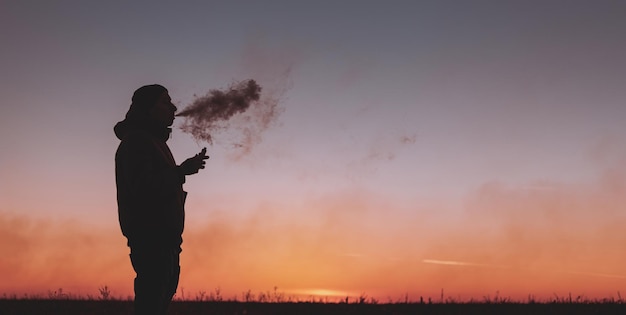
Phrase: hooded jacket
{"type": "Point", "coordinates": [150, 194]}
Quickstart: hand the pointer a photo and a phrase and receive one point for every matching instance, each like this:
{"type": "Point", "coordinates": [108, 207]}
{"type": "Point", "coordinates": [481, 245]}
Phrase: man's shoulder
{"type": "Point", "coordinates": [137, 135]}
{"type": "Point", "coordinates": [136, 140]}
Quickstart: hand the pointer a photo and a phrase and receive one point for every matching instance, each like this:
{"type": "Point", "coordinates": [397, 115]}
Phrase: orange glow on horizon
{"type": "Point", "coordinates": [514, 242]}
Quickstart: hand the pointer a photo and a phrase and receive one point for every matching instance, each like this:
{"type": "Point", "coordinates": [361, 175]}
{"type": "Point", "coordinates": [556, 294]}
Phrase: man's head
{"type": "Point", "coordinates": [152, 103]}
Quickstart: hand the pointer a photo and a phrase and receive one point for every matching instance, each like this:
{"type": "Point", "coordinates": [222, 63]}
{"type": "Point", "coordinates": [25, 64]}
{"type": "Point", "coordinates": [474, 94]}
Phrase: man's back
{"type": "Point", "coordinates": [149, 189]}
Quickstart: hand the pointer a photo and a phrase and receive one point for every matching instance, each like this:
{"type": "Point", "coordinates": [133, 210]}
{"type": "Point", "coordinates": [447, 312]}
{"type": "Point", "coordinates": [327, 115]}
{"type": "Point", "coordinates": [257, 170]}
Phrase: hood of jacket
{"type": "Point", "coordinates": [126, 126]}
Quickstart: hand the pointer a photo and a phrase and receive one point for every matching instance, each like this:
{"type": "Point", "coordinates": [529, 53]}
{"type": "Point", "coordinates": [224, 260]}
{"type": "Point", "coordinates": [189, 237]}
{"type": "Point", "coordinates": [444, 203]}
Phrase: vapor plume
{"type": "Point", "coordinates": [238, 111]}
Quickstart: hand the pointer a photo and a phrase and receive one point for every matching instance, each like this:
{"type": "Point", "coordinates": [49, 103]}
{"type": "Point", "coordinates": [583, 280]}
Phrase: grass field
{"type": "Point", "coordinates": [124, 307]}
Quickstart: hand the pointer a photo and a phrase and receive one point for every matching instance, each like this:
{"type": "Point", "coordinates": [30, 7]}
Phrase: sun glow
{"type": "Point", "coordinates": [320, 293]}
{"type": "Point", "coordinates": [458, 263]}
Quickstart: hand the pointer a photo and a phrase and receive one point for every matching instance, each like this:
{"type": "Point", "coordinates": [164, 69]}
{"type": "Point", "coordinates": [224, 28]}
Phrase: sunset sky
{"type": "Point", "coordinates": [471, 146]}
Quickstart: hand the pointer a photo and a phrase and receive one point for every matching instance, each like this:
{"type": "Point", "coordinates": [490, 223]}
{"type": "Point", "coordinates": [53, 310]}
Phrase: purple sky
{"type": "Point", "coordinates": [517, 91]}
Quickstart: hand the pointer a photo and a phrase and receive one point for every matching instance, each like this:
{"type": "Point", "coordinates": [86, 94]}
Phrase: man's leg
{"type": "Point", "coordinates": [156, 268]}
{"type": "Point", "coordinates": [174, 274]}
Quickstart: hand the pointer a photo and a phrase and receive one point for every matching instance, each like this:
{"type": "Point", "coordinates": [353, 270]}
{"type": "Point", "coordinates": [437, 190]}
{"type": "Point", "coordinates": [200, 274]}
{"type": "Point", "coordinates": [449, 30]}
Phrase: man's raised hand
{"type": "Point", "coordinates": [193, 164]}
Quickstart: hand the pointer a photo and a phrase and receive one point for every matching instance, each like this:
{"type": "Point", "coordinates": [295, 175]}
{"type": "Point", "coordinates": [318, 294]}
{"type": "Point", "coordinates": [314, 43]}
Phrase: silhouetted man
{"type": "Point", "coordinates": [150, 196]}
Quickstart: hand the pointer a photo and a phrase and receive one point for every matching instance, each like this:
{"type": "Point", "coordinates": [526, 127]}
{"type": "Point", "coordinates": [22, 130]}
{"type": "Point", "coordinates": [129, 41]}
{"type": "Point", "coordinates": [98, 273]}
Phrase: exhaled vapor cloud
{"type": "Point", "coordinates": [240, 111]}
